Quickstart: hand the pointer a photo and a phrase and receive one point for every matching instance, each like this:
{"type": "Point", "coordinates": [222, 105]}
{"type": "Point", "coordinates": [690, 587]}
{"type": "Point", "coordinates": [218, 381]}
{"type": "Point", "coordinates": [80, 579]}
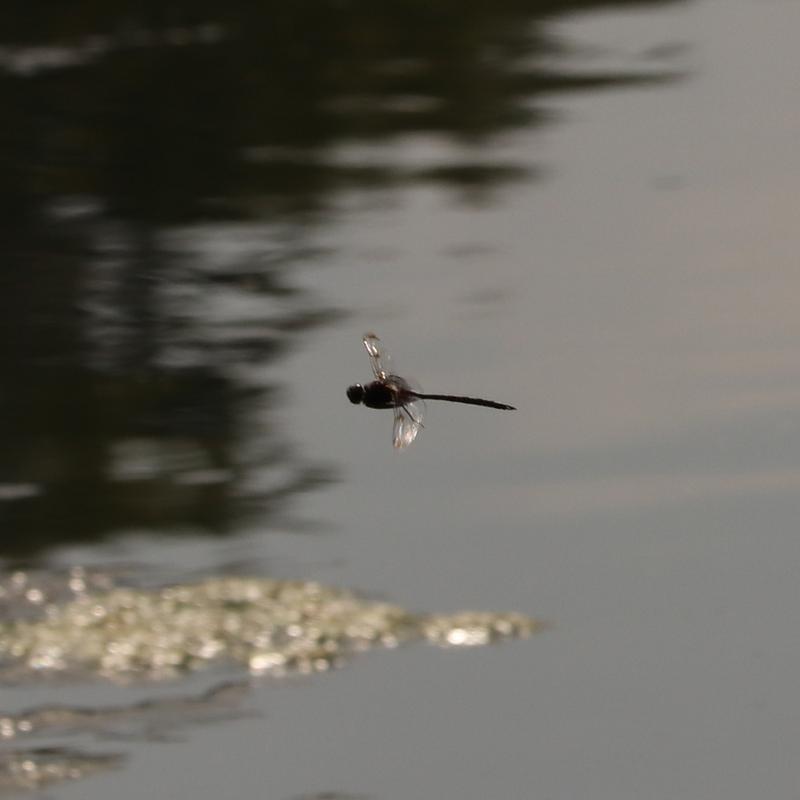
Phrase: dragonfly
{"type": "Point", "coordinates": [389, 390]}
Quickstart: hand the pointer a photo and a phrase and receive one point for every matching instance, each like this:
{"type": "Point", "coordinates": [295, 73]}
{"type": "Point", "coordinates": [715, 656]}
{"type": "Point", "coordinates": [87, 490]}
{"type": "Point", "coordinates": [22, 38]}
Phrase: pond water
{"type": "Point", "coordinates": [586, 209]}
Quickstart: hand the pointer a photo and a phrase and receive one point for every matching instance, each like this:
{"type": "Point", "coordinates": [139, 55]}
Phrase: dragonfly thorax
{"type": "Point", "coordinates": [374, 395]}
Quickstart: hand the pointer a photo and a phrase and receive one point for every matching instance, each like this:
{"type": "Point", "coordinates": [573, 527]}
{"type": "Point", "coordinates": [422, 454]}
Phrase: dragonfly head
{"type": "Point", "coordinates": [355, 393]}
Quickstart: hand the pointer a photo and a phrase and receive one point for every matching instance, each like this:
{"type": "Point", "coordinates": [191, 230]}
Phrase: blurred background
{"type": "Point", "coordinates": [586, 209]}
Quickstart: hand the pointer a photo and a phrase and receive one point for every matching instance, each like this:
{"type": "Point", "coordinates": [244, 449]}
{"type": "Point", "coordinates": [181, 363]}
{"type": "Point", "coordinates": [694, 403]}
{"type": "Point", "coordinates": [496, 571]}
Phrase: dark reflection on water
{"type": "Point", "coordinates": [42, 768]}
{"type": "Point", "coordinates": [130, 131]}
{"type": "Point", "coordinates": [153, 720]}
{"type": "Point", "coordinates": [117, 413]}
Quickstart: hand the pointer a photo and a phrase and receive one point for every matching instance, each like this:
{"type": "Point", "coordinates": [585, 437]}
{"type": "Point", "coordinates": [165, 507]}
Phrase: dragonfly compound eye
{"type": "Point", "coordinates": [355, 393]}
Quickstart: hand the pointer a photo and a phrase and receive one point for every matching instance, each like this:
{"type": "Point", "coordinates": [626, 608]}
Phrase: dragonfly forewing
{"type": "Point", "coordinates": [379, 359]}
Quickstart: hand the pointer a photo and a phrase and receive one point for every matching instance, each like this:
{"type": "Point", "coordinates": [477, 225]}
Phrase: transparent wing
{"type": "Point", "coordinates": [407, 423]}
{"type": "Point", "coordinates": [405, 428]}
{"type": "Point", "coordinates": [379, 359]}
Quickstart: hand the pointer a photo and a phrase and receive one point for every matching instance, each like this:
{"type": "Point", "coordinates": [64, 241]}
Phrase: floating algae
{"type": "Point", "coordinates": [270, 626]}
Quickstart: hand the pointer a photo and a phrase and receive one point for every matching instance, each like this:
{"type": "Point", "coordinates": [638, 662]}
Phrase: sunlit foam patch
{"type": "Point", "coordinates": [268, 626]}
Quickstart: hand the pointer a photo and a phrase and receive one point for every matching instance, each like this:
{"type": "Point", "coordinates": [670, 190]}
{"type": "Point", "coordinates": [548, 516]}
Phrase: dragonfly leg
{"type": "Point", "coordinates": [412, 417]}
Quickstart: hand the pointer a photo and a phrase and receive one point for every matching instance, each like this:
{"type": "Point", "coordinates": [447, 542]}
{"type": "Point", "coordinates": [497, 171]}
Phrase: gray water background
{"type": "Point", "coordinates": [630, 283]}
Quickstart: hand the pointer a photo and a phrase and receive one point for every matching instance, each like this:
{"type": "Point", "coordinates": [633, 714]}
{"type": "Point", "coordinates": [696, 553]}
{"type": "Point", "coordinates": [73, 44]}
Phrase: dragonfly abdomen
{"type": "Point", "coordinates": [472, 401]}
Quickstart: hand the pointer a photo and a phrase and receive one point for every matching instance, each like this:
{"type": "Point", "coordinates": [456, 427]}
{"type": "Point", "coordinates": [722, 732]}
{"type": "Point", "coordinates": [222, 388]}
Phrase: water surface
{"type": "Point", "coordinates": [584, 209]}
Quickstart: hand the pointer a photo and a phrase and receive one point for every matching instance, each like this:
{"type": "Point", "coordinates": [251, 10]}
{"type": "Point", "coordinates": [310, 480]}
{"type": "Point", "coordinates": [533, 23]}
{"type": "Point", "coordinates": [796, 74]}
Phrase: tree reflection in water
{"type": "Point", "coordinates": [130, 130]}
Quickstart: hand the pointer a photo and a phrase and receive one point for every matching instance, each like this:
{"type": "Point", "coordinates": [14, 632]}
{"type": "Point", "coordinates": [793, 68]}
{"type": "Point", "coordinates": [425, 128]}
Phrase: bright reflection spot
{"type": "Point", "coordinates": [269, 626]}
